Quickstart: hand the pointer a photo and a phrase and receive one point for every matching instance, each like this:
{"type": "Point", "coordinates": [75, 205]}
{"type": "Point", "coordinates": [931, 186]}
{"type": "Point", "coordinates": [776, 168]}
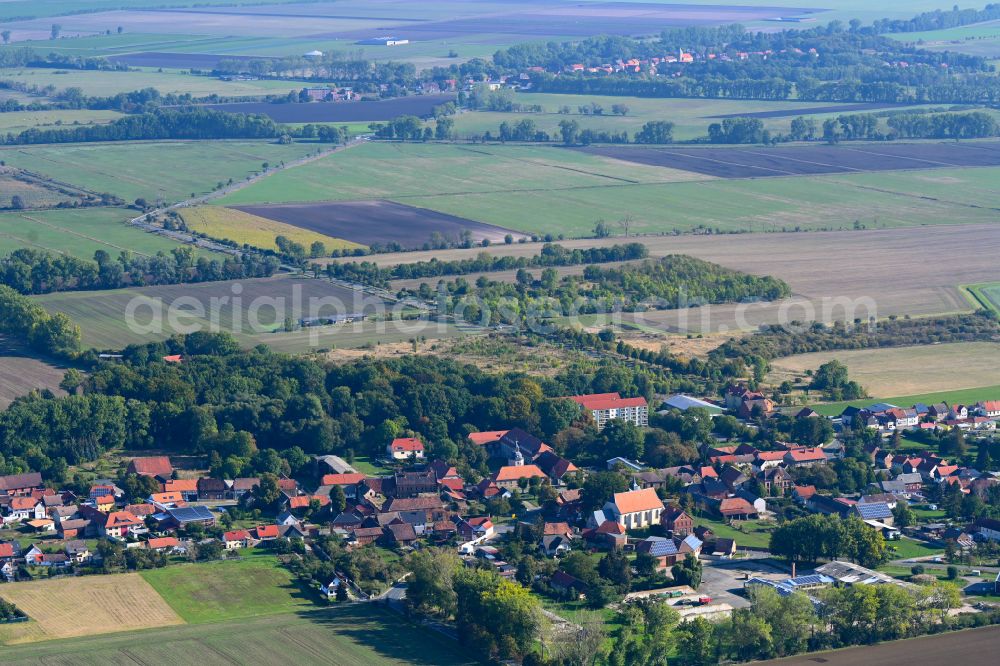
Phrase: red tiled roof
{"type": "Point", "coordinates": [162, 542]}
{"type": "Point", "coordinates": [707, 471]}
{"type": "Point", "coordinates": [288, 484]}
{"type": "Point", "coordinates": [140, 510]}
{"type": "Point", "coordinates": [805, 492]}
{"type": "Point", "coordinates": [452, 484]}
{"type": "Point", "coordinates": [173, 358]}
{"type": "Point", "coordinates": [803, 455]}
{"type": "Point", "coordinates": [302, 501]}
{"type": "Point", "coordinates": [266, 531]}
{"type": "Point", "coordinates": [638, 500]}
{"type": "Point", "coordinates": [6, 550]}
{"type": "Point", "coordinates": [735, 505]}
{"type": "Point", "coordinates": [610, 527]}
{"type": "Point", "coordinates": [602, 401]}
{"type": "Point", "coordinates": [166, 498]}
{"type": "Point", "coordinates": [766, 456]}
{"type": "Point", "coordinates": [406, 444]}
{"type": "Point", "coordinates": [341, 479]}
{"type": "Point", "coordinates": [236, 535]}
{"type": "Point", "coordinates": [152, 466]}
{"type": "Point", "coordinates": [23, 503]}
{"type": "Point", "coordinates": [515, 472]}
{"type": "Point", "coordinates": [181, 485]}
{"type": "Point", "coordinates": [121, 519]}
{"type": "Point", "coordinates": [487, 437]}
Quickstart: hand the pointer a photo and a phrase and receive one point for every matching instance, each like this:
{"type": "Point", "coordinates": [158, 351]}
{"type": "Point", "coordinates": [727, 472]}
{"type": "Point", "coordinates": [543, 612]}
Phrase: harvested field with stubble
{"type": "Point", "coordinates": [905, 370]}
{"type": "Point", "coordinates": [22, 372]}
{"type": "Point", "coordinates": [244, 228]}
{"type": "Point", "coordinates": [975, 645]}
{"type": "Point", "coordinates": [377, 222]}
{"type": "Point", "coordinates": [68, 607]}
{"type": "Point", "coordinates": [913, 278]}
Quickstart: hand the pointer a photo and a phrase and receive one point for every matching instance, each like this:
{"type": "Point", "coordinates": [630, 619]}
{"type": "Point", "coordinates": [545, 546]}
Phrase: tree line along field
{"type": "Point", "coordinates": [80, 232]}
{"type": "Point", "coordinates": [691, 117]}
{"type": "Point", "coordinates": [245, 228]}
{"type": "Point", "coordinates": [985, 295]}
{"type": "Point", "coordinates": [905, 370]}
{"type": "Point", "coordinates": [172, 170]}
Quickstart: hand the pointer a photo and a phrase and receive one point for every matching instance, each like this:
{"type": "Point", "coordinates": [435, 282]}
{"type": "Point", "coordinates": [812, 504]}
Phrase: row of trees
{"type": "Point", "coordinates": [551, 254]}
{"type": "Point", "coordinates": [30, 271]}
{"type": "Point", "coordinates": [186, 123]}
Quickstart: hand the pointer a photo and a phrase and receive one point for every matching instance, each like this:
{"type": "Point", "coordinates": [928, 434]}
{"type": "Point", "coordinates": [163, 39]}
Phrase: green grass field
{"type": "Point", "coordinates": [905, 549]}
{"type": "Point", "coordinates": [168, 169]}
{"type": "Point", "coordinates": [546, 189]}
{"type": "Point", "coordinates": [19, 121]}
{"type": "Point", "coordinates": [753, 535]}
{"type": "Point", "coordinates": [212, 592]}
{"type": "Point", "coordinates": [79, 232]}
{"type": "Point", "coordinates": [355, 635]}
{"type": "Point", "coordinates": [961, 396]}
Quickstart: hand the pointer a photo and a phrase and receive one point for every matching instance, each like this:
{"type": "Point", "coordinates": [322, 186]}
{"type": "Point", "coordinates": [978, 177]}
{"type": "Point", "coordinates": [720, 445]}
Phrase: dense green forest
{"type": "Point", "coordinates": [51, 335]}
{"type": "Point", "coordinates": [41, 272]}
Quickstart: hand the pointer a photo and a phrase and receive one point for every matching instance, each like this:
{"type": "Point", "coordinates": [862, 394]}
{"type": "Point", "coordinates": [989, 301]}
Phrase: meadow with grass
{"type": "Point", "coordinates": [171, 170]}
{"type": "Point", "coordinates": [552, 190]}
{"type": "Point", "coordinates": [81, 232]}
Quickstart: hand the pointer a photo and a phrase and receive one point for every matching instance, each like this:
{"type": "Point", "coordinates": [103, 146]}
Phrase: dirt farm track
{"type": "Point", "coordinates": [974, 646]}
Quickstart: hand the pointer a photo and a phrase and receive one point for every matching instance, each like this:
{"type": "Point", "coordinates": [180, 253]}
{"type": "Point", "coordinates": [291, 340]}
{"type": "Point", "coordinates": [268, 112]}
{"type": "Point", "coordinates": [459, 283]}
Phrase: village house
{"type": "Point", "coordinates": [119, 524]}
{"type": "Point", "coordinates": [188, 488]}
{"type": "Point", "coordinates": [405, 448]}
{"type": "Point", "coordinates": [736, 507]}
{"type": "Point", "coordinates": [350, 483]}
{"type": "Point", "coordinates": [23, 509]}
{"type": "Point", "coordinates": [411, 483]}
{"type": "Point", "coordinates": [163, 543]}
{"type": "Point", "coordinates": [236, 539]}
{"type": "Point", "coordinates": [14, 485]}
{"type": "Point", "coordinates": [156, 466]}
{"type": "Point", "coordinates": [508, 477]}
{"type": "Point", "coordinates": [635, 509]}
{"type": "Point", "coordinates": [677, 520]}
{"type": "Point", "coordinates": [604, 407]}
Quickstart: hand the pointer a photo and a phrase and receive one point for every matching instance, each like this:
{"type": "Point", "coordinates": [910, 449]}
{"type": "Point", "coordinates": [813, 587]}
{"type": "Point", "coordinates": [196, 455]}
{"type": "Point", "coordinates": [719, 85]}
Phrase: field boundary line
{"type": "Point", "coordinates": [85, 236]}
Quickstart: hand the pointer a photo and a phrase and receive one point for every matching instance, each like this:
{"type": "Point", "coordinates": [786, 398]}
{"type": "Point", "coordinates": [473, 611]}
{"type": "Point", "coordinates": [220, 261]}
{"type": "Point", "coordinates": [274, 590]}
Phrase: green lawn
{"type": "Point", "coordinates": [171, 170]}
{"type": "Point", "coordinates": [547, 189]}
{"type": "Point", "coordinates": [961, 396]}
{"type": "Point", "coordinates": [80, 232]}
{"type": "Point", "coordinates": [906, 548]}
{"type": "Point", "coordinates": [754, 534]}
{"type": "Point", "coordinates": [364, 465]}
{"type": "Point", "coordinates": [212, 592]}
{"type": "Point", "coordinates": [354, 635]}
{"type": "Point", "coordinates": [984, 295]}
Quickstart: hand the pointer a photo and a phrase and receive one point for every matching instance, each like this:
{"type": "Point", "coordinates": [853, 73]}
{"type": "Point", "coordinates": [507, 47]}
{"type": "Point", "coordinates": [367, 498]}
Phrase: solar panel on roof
{"type": "Point", "coordinates": [874, 511]}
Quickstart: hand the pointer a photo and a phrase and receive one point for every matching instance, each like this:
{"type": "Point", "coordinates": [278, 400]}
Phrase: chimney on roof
{"type": "Point", "coordinates": [793, 569]}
